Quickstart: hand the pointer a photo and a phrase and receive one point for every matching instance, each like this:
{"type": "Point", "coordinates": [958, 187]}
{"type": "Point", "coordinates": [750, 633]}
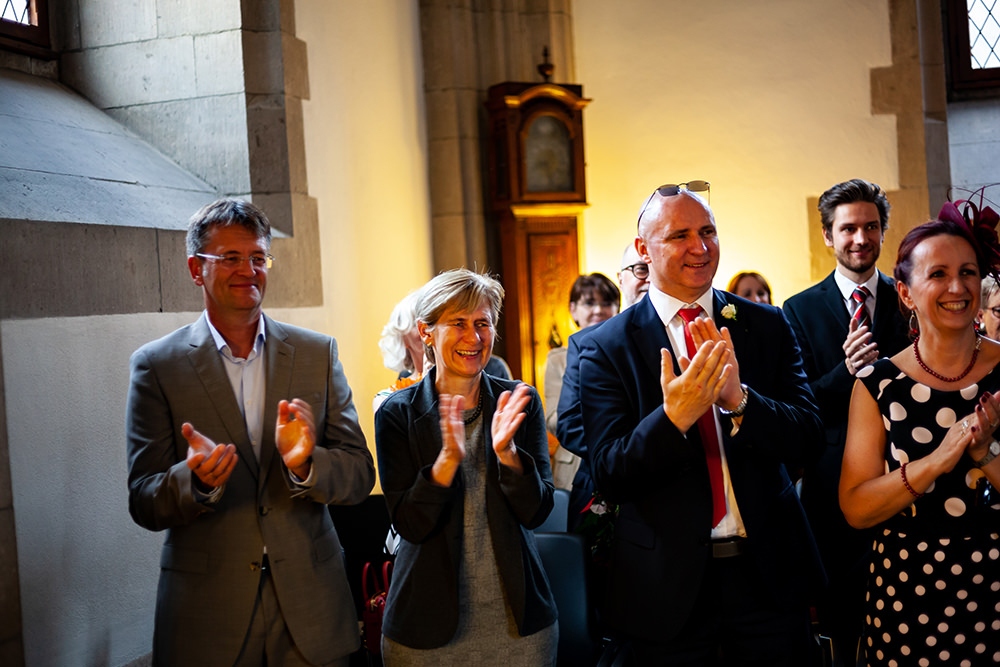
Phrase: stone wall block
{"type": "Point", "coordinates": [905, 33]}
{"type": "Point", "coordinates": [206, 136]}
{"type": "Point", "coordinates": [978, 160]}
{"type": "Point", "coordinates": [178, 293]}
{"type": "Point", "coordinates": [10, 591]}
{"type": "Point", "coordinates": [296, 64]}
{"type": "Point", "coordinates": [197, 17]}
{"type": "Point", "coordinates": [974, 121]}
{"type": "Point", "coordinates": [218, 60]}
{"type": "Point", "coordinates": [436, 37]}
{"type": "Point", "coordinates": [912, 147]}
{"type": "Point", "coordinates": [107, 22]}
{"type": "Point", "coordinates": [471, 157]}
{"type": "Point", "coordinates": [280, 212]}
{"type": "Point", "coordinates": [935, 92]}
{"type": "Point", "coordinates": [442, 114]}
{"type": "Point", "coordinates": [470, 106]}
{"type": "Point", "coordinates": [30, 294]}
{"type": "Point", "coordinates": [446, 176]}
{"type": "Point", "coordinates": [137, 73]}
{"type": "Point", "coordinates": [938, 160]}
{"type": "Point", "coordinates": [298, 179]}
{"type": "Point", "coordinates": [268, 144]}
{"type": "Point", "coordinates": [295, 280]}
{"type": "Point", "coordinates": [65, 25]}
{"type": "Point", "coordinates": [263, 69]}
{"type": "Point", "coordinates": [287, 16]}
{"type": "Point", "coordinates": [264, 15]}
{"type": "Point", "coordinates": [448, 240]}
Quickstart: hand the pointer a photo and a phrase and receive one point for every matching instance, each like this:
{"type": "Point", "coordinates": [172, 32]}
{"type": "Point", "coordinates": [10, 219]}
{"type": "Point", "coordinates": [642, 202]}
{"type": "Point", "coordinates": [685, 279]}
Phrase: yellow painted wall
{"type": "Point", "coordinates": [767, 100]}
{"type": "Point", "coordinates": [366, 157]}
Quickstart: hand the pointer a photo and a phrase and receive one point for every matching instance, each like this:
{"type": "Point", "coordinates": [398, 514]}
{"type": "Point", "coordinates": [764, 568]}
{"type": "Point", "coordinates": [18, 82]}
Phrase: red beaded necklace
{"type": "Point", "coordinates": [968, 369]}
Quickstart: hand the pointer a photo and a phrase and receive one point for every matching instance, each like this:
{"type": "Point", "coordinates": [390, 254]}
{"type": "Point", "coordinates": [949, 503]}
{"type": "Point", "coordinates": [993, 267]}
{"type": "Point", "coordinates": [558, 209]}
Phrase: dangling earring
{"type": "Point", "coordinates": [914, 328]}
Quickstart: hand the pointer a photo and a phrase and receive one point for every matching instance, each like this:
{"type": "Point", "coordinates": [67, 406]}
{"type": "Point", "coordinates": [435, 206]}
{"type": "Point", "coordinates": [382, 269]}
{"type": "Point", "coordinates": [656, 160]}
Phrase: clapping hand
{"type": "Point", "coordinates": [703, 329]}
{"type": "Point", "coordinates": [294, 436]}
{"type": "Point", "coordinates": [983, 423]}
{"type": "Point", "coordinates": [858, 351]}
{"type": "Point", "coordinates": [452, 440]}
{"type": "Point", "coordinates": [506, 420]}
{"type": "Point", "coordinates": [212, 464]}
{"type": "Point", "coordinates": [687, 396]}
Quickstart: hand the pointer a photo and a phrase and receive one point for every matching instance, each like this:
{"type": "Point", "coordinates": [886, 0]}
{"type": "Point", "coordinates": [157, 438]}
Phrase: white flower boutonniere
{"type": "Point", "coordinates": [729, 312]}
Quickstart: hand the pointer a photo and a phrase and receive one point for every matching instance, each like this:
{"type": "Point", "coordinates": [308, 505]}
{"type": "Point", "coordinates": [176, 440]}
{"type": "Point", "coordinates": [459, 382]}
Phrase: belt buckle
{"type": "Point", "coordinates": [728, 548]}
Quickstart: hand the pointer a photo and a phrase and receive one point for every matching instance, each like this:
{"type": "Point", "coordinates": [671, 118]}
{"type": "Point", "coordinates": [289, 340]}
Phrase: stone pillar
{"type": "Point", "coordinates": [469, 45]}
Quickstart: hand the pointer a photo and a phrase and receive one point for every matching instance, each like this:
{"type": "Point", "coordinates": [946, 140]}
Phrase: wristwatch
{"type": "Point", "coordinates": [741, 408]}
{"type": "Point", "coordinates": [993, 452]}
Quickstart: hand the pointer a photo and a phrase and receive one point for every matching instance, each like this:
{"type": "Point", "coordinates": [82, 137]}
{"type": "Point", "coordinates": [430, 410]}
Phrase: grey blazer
{"type": "Point", "coordinates": [209, 568]}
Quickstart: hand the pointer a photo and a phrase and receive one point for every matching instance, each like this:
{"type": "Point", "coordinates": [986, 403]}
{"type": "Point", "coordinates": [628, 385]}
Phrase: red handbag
{"type": "Point", "coordinates": [374, 607]}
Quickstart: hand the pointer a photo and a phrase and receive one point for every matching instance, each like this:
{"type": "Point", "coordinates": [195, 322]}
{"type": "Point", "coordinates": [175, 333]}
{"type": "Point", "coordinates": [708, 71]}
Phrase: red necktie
{"type": "Point", "coordinates": [859, 296]}
{"type": "Point", "coordinates": [706, 428]}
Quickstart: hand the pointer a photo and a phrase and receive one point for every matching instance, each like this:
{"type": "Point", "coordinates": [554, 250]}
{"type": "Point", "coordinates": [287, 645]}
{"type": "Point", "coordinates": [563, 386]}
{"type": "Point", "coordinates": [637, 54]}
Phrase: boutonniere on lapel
{"type": "Point", "coordinates": [729, 312]}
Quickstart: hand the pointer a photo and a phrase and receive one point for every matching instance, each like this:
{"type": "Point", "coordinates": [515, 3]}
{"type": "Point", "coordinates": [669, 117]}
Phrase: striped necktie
{"type": "Point", "coordinates": [860, 313]}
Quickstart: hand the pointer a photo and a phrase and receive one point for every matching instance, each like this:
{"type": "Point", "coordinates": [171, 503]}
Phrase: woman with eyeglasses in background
{"type": "Point", "coordinates": [592, 300]}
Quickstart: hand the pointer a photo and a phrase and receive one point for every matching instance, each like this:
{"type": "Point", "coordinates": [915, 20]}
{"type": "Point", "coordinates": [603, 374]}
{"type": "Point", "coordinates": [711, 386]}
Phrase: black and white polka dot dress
{"type": "Point", "coordinates": [934, 592]}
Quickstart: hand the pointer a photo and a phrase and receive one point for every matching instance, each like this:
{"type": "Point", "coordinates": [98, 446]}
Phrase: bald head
{"type": "Point", "coordinates": [633, 287]}
{"type": "Point", "coordinates": [678, 239]}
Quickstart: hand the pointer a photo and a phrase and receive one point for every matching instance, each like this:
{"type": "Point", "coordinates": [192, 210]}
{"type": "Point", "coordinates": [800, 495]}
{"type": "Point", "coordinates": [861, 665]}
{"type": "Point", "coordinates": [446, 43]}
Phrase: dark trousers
{"type": "Point", "coordinates": [733, 624]}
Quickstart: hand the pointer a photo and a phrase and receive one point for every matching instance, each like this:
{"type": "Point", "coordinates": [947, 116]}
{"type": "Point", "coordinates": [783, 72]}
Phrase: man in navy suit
{"type": "Point", "coordinates": [835, 345]}
{"type": "Point", "coordinates": [712, 556]}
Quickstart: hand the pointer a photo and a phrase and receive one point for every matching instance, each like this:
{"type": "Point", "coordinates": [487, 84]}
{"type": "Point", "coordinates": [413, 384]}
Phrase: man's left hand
{"type": "Point", "coordinates": [703, 329]}
{"type": "Point", "coordinates": [295, 436]}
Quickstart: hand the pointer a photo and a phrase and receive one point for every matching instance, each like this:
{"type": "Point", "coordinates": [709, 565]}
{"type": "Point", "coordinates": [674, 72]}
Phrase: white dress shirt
{"type": "Point", "coordinates": [667, 307]}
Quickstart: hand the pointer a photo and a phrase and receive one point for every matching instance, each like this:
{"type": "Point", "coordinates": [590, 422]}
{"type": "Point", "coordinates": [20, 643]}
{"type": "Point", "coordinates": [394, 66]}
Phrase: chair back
{"type": "Point", "coordinates": [564, 557]}
{"type": "Point", "coordinates": [559, 516]}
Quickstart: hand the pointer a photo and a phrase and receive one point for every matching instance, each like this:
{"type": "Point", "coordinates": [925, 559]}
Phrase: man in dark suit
{"type": "Point", "coordinates": [712, 555]}
{"type": "Point", "coordinates": [633, 281]}
{"type": "Point", "coordinates": [251, 571]}
{"type": "Point", "coordinates": [840, 333]}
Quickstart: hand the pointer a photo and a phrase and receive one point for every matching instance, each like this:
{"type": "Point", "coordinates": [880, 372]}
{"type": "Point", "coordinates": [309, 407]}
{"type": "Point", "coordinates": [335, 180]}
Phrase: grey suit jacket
{"type": "Point", "coordinates": [209, 569]}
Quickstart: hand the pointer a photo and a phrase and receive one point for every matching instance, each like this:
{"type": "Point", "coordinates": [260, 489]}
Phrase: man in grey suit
{"type": "Point", "coordinates": [240, 431]}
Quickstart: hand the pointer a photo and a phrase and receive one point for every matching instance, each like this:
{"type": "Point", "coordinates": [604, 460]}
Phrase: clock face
{"type": "Point", "coordinates": [548, 156]}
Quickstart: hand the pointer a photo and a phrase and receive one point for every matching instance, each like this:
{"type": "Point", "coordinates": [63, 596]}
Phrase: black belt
{"type": "Point", "coordinates": [728, 548]}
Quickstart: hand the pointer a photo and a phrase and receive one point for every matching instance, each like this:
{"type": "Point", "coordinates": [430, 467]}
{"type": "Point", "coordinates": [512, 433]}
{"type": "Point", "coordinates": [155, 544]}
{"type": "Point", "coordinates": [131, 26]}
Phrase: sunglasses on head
{"type": "Point", "coordinates": [672, 189]}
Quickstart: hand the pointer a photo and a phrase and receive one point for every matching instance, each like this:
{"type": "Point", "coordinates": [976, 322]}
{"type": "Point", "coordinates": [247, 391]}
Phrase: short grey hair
{"type": "Point", "coordinates": [461, 290]}
{"type": "Point", "coordinates": [226, 213]}
{"type": "Point", "coordinates": [989, 286]}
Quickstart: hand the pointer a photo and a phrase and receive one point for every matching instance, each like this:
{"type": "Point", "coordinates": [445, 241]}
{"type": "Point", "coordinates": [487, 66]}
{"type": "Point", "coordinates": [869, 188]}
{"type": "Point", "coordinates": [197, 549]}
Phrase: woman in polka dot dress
{"type": "Point", "coordinates": [920, 461]}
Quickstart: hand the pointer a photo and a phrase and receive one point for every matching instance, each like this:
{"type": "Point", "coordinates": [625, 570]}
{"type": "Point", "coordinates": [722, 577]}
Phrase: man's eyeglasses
{"type": "Point", "coordinates": [671, 189]}
{"type": "Point", "coordinates": [235, 261]}
{"type": "Point", "coordinates": [640, 270]}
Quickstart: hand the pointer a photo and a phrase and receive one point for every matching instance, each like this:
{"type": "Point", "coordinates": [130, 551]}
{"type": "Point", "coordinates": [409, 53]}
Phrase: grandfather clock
{"type": "Point", "coordinates": [537, 191]}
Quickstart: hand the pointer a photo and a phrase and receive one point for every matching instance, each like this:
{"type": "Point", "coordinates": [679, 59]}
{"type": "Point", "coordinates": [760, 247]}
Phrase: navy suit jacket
{"type": "Point", "coordinates": [820, 322]}
{"type": "Point", "coordinates": [659, 476]}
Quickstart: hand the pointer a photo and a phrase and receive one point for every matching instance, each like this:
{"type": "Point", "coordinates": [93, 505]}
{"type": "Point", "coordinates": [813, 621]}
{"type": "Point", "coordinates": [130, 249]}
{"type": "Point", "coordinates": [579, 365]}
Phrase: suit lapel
{"type": "Point", "coordinates": [833, 301]}
{"type": "Point", "coordinates": [208, 365]}
{"type": "Point", "coordinates": [279, 355]}
{"type": "Point", "coordinates": [886, 301]}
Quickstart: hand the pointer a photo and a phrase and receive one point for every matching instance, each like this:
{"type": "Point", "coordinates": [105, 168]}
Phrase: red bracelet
{"type": "Point", "coordinates": [902, 472]}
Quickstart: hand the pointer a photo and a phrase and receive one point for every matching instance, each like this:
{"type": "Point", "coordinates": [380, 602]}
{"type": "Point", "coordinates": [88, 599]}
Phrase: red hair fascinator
{"type": "Point", "coordinates": [981, 220]}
